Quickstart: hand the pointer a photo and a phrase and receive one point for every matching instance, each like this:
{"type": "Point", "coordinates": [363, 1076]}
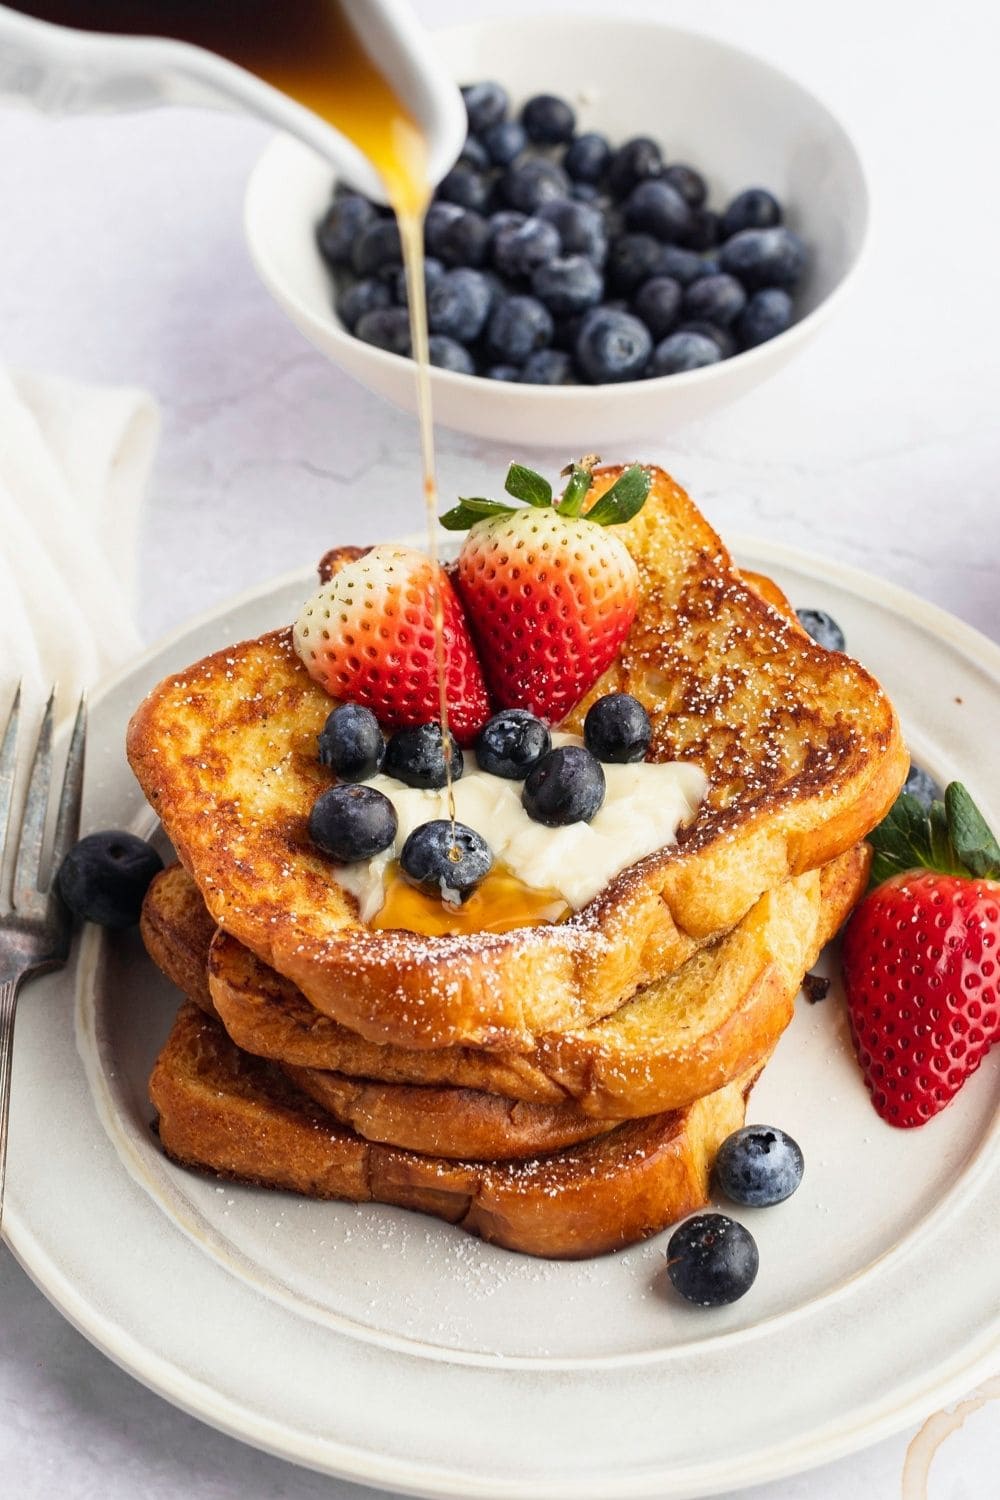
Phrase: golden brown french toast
{"type": "Point", "coordinates": [802, 750]}
{"type": "Point", "coordinates": [237, 1116]}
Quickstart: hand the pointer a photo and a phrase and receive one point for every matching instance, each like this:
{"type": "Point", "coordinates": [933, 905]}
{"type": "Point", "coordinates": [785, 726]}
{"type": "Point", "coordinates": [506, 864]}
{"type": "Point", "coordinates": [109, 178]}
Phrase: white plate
{"type": "Point", "coordinates": [394, 1350]}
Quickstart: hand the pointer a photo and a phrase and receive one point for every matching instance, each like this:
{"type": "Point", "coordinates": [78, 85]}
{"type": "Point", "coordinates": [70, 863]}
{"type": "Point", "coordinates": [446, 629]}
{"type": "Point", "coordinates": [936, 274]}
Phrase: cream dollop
{"type": "Point", "coordinates": [644, 806]}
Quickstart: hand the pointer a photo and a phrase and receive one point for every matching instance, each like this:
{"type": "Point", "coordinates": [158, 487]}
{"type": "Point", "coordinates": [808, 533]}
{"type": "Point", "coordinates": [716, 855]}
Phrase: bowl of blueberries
{"type": "Point", "coordinates": [644, 224]}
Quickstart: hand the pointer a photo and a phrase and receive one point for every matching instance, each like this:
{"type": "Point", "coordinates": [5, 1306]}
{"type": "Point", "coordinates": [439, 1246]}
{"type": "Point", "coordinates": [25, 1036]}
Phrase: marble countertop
{"type": "Point", "coordinates": [122, 260]}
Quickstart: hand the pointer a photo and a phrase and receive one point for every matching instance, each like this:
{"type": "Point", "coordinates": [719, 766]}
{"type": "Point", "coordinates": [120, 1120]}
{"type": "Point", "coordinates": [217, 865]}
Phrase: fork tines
{"type": "Point", "coordinates": [30, 891]}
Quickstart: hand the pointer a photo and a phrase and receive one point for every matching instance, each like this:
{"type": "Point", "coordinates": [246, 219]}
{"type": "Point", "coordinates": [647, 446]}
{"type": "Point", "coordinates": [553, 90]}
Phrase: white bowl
{"type": "Point", "coordinates": [737, 119]}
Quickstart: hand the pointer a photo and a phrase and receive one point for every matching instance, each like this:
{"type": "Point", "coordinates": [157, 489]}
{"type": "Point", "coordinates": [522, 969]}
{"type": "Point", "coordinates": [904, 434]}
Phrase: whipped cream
{"type": "Point", "coordinates": [644, 806]}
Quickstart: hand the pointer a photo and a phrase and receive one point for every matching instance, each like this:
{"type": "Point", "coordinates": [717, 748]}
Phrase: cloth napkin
{"type": "Point", "coordinates": [74, 460]}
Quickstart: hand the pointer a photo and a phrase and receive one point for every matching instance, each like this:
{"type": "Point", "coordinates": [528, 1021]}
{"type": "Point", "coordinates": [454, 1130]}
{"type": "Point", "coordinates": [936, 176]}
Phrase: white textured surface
{"type": "Point", "coordinates": [122, 260]}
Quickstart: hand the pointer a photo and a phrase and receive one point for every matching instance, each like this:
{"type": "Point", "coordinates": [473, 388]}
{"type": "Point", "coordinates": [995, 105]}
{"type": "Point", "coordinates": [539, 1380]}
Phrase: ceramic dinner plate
{"type": "Point", "coordinates": [394, 1350]}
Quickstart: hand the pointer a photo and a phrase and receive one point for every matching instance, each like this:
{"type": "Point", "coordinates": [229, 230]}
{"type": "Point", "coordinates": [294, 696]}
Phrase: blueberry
{"type": "Point", "coordinates": [361, 297]}
{"type": "Point", "coordinates": [586, 192]}
{"type": "Point", "coordinates": [921, 784]}
{"type": "Point", "coordinates": [587, 157]}
{"type": "Point", "coordinates": [517, 249]}
{"type": "Point", "coordinates": [658, 304]}
{"type": "Point", "coordinates": [474, 154]}
{"type": "Point", "coordinates": [376, 245]}
{"type": "Point", "coordinates": [517, 327]}
{"type": "Point", "coordinates": [632, 163]}
{"type": "Point", "coordinates": [433, 271]}
{"type": "Point", "coordinates": [617, 729]}
{"type": "Point", "coordinates": [764, 257]}
{"type": "Point", "coordinates": [548, 120]}
{"type": "Point", "coordinates": [632, 259]}
{"type": "Point", "coordinates": [416, 757]}
{"type": "Point", "coordinates": [569, 284]}
{"type": "Point", "coordinates": [504, 141]}
{"type": "Point", "coordinates": [612, 346]}
{"type": "Point", "coordinates": [581, 228]}
{"type": "Point", "coordinates": [754, 208]}
{"type": "Point", "coordinates": [548, 367]}
{"type": "Point", "coordinates": [684, 350]}
{"type": "Point", "coordinates": [465, 186]}
{"type": "Point", "coordinates": [657, 208]}
{"type": "Point", "coordinates": [351, 743]}
{"type": "Point", "coordinates": [105, 876]}
{"type": "Point", "coordinates": [690, 184]}
{"type": "Point", "coordinates": [712, 1260]}
{"type": "Point", "coordinates": [823, 628]}
{"type": "Point", "coordinates": [715, 299]}
{"type": "Point", "coordinates": [386, 328]}
{"type": "Point", "coordinates": [512, 743]}
{"type": "Point", "coordinates": [527, 184]}
{"type": "Point", "coordinates": [351, 823]}
{"type": "Point", "coordinates": [449, 860]}
{"type": "Point", "coordinates": [463, 240]}
{"type": "Point", "coordinates": [485, 105]}
{"type": "Point", "coordinates": [340, 226]}
{"type": "Point", "coordinates": [702, 232]}
{"type": "Point", "coordinates": [567, 331]}
{"type": "Point", "coordinates": [759, 1165]}
{"type": "Point", "coordinates": [503, 372]}
{"type": "Point", "coordinates": [684, 266]}
{"type": "Point", "coordinates": [458, 304]}
{"type": "Point", "coordinates": [721, 337]}
{"type": "Point", "coordinates": [566, 786]}
{"type": "Point", "coordinates": [439, 217]}
{"type": "Point", "coordinates": [768, 313]}
{"type": "Point", "coordinates": [448, 354]}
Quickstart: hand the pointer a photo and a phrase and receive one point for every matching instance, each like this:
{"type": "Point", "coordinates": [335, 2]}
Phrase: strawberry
{"type": "Point", "coordinates": [368, 635]}
{"type": "Point", "coordinates": [550, 594]}
{"type": "Point", "coordinates": [921, 956]}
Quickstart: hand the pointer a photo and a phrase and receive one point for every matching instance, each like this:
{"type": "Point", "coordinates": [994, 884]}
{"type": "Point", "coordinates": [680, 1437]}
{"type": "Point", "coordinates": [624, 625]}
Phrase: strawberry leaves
{"type": "Point", "coordinates": [524, 484]}
{"type": "Point", "coordinates": [951, 838]}
{"type": "Point", "coordinates": [623, 500]}
{"type": "Point", "coordinates": [618, 504]}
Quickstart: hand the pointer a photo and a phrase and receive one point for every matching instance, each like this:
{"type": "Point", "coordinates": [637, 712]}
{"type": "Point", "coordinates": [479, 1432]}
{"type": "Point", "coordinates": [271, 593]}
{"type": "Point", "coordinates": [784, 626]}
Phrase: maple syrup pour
{"type": "Point", "coordinates": [501, 903]}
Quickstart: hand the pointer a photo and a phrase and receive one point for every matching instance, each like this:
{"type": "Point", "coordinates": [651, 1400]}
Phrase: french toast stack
{"type": "Point", "coordinates": [560, 1089]}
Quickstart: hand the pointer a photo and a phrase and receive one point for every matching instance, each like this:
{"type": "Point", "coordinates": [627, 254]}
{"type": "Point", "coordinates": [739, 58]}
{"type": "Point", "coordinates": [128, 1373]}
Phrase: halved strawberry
{"type": "Point", "coordinates": [549, 594]}
{"type": "Point", "coordinates": [921, 956]}
{"type": "Point", "coordinates": [367, 635]}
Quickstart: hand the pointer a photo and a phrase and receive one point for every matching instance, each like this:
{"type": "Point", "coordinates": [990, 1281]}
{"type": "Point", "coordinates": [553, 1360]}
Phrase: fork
{"type": "Point", "coordinates": [35, 932]}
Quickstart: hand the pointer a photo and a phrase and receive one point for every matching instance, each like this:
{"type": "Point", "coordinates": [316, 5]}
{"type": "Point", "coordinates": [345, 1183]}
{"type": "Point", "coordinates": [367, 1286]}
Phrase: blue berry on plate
{"type": "Point", "coordinates": [569, 284]}
{"type": "Point", "coordinates": [712, 1260]}
{"type": "Point", "coordinates": [438, 218]}
{"type": "Point", "coordinates": [464, 239]}
{"type": "Point", "coordinates": [548, 120]}
{"type": "Point", "coordinates": [503, 372]}
{"type": "Point", "coordinates": [517, 327]}
{"type": "Point", "coordinates": [721, 337]}
{"type": "Point", "coordinates": [656, 208]}
{"type": "Point", "coordinates": [548, 367]}
{"type": "Point", "coordinates": [458, 305]}
{"type": "Point", "coordinates": [360, 297]}
{"type": "Point", "coordinates": [823, 628]}
{"type": "Point", "coordinates": [768, 313]}
{"type": "Point", "coordinates": [377, 245]}
{"type": "Point", "coordinates": [683, 350]}
{"type": "Point", "coordinates": [715, 299]}
{"type": "Point", "coordinates": [105, 876]}
{"type": "Point", "coordinates": [758, 1166]}
{"type": "Point", "coordinates": [587, 157]}
{"type": "Point", "coordinates": [465, 186]}
{"type": "Point", "coordinates": [658, 304]}
{"type": "Point", "coordinates": [690, 184]}
{"type": "Point", "coordinates": [921, 784]}
{"type": "Point", "coordinates": [764, 257]}
{"type": "Point", "coordinates": [634, 161]}
{"type": "Point", "coordinates": [683, 265]}
{"type": "Point", "coordinates": [566, 786]}
{"type": "Point", "coordinates": [416, 756]}
{"type": "Point", "coordinates": [351, 743]}
{"type": "Point", "coordinates": [632, 259]}
{"type": "Point", "coordinates": [517, 249]}
{"type": "Point", "coordinates": [448, 354]}
{"type": "Point", "coordinates": [529, 183]}
{"type": "Point", "coordinates": [580, 226]}
{"type": "Point", "coordinates": [612, 346]}
{"type": "Point", "coordinates": [585, 192]}
{"type": "Point", "coordinates": [617, 729]}
{"type": "Point", "coordinates": [702, 231]}
{"type": "Point", "coordinates": [503, 141]}
{"type": "Point", "coordinates": [754, 208]}
{"type": "Point", "coordinates": [386, 328]}
{"type": "Point", "coordinates": [485, 104]}
{"type": "Point", "coordinates": [512, 743]}
{"type": "Point", "coordinates": [340, 226]}
{"type": "Point", "coordinates": [475, 154]}
{"type": "Point", "coordinates": [433, 271]}
{"type": "Point", "coordinates": [448, 860]}
{"type": "Point", "coordinates": [352, 822]}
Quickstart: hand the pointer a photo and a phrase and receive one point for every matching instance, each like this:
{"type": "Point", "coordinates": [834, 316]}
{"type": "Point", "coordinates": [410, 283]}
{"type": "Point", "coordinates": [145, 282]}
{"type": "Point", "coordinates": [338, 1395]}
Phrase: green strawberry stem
{"type": "Point", "coordinates": [620, 503]}
{"type": "Point", "coordinates": [952, 838]}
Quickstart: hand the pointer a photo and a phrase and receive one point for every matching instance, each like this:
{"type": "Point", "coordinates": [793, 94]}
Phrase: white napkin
{"type": "Point", "coordinates": [74, 460]}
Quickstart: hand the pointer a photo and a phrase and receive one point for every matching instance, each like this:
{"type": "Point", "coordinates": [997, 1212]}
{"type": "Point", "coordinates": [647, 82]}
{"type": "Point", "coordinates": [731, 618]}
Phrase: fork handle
{"type": "Point", "coordinates": [8, 1005]}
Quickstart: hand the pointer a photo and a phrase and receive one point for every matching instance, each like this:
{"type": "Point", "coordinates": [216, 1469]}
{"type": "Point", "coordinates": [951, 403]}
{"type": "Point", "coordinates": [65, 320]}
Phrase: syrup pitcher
{"type": "Point", "coordinates": [318, 69]}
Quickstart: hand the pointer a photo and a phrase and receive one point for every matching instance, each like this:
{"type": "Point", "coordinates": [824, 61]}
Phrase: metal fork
{"type": "Point", "coordinates": [35, 933]}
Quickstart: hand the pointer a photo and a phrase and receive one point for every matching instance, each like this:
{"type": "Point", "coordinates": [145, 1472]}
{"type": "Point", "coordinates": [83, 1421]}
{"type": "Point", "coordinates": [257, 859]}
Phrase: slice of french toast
{"type": "Point", "coordinates": [801, 746]}
{"type": "Point", "coordinates": [226, 1112]}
